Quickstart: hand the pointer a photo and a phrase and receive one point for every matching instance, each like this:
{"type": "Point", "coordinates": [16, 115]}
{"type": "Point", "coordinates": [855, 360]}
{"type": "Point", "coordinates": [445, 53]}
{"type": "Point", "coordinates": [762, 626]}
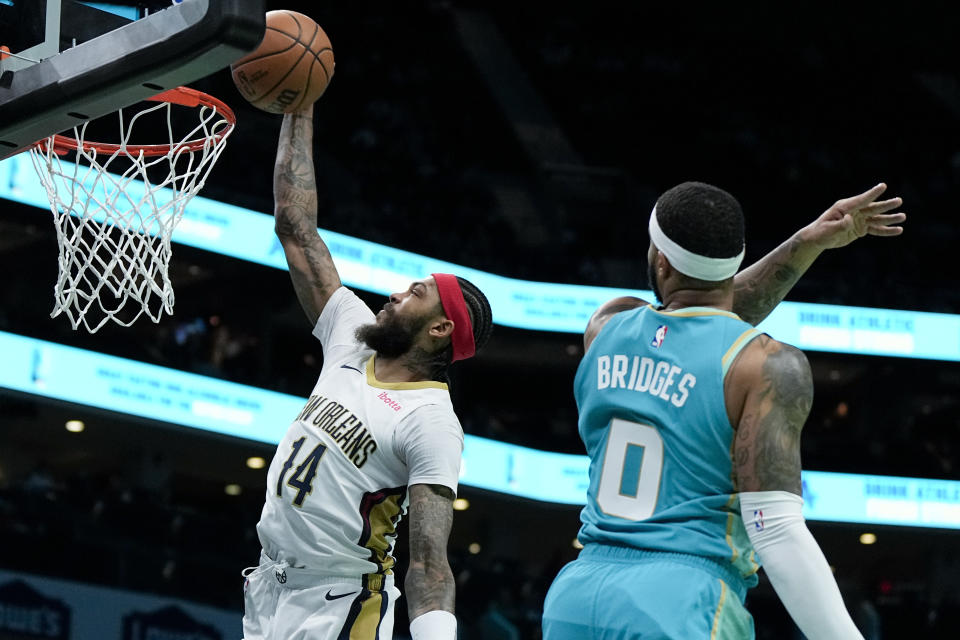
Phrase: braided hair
{"type": "Point", "coordinates": [481, 317]}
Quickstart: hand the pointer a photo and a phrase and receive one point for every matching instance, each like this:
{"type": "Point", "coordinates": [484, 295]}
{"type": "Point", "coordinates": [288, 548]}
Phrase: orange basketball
{"type": "Point", "coordinates": [290, 69]}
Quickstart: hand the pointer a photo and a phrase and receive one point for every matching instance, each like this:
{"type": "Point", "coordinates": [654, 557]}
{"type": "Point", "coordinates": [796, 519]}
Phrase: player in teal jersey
{"type": "Point", "coordinates": [691, 419]}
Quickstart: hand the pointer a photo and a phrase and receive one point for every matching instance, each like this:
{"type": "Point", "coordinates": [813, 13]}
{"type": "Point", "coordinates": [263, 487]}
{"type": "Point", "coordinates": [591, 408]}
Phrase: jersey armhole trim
{"type": "Point", "coordinates": [737, 346]}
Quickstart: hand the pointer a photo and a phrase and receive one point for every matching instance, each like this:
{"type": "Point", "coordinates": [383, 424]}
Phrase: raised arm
{"type": "Point", "coordinates": [314, 275]}
{"type": "Point", "coordinates": [779, 391]}
{"type": "Point", "coordinates": [759, 288]}
{"type": "Point", "coordinates": [429, 583]}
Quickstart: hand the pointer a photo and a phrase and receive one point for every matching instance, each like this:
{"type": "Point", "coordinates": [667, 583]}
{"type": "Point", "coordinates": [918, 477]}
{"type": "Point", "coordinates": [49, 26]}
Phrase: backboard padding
{"type": "Point", "coordinates": [30, 29]}
{"type": "Point", "coordinates": [170, 48]}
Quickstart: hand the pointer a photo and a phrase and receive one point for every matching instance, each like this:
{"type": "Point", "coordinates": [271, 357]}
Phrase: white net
{"type": "Point", "coordinates": [115, 207]}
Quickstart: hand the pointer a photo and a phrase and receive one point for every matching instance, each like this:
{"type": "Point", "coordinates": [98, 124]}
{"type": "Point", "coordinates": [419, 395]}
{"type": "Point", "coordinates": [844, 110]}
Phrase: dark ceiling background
{"type": "Point", "coordinates": [531, 140]}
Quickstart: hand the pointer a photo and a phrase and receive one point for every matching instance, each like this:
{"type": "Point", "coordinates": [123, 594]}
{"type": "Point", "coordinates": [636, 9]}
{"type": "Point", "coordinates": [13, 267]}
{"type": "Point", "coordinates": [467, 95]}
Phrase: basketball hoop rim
{"type": "Point", "coordinates": [184, 96]}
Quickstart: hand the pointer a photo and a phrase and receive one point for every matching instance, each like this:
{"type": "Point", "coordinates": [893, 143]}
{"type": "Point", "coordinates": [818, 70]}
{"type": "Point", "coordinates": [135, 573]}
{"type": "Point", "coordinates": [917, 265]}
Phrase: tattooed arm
{"type": "Point", "coordinates": [778, 394]}
{"type": "Point", "coordinates": [760, 287]}
{"type": "Point", "coordinates": [429, 582]}
{"type": "Point", "coordinates": [778, 391]}
{"type": "Point", "coordinates": [314, 275]}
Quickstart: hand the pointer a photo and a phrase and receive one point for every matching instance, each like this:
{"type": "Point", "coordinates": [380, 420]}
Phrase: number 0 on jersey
{"type": "Point", "coordinates": [632, 468]}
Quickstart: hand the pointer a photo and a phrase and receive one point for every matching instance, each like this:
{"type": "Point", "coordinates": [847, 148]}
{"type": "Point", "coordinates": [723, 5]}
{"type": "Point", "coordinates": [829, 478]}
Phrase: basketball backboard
{"type": "Point", "coordinates": [69, 61]}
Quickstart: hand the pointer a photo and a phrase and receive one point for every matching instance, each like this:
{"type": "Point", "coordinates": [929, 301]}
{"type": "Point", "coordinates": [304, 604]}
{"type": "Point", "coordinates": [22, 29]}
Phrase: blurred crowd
{"type": "Point", "coordinates": [413, 152]}
{"type": "Point", "coordinates": [420, 156]}
{"type": "Point", "coordinates": [851, 428]}
{"type": "Point", "coordinates": [131, 529]}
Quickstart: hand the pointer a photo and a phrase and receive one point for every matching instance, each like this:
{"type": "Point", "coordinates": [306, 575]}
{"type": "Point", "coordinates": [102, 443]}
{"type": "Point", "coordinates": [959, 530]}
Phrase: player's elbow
{"type": "Point", "coordinates": [294, 238]}
{"type": "Point", "coordinates": [283, 227]}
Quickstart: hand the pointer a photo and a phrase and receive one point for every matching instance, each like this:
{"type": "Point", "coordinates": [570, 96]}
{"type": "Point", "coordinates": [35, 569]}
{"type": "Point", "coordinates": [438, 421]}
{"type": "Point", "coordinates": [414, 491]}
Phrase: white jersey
{"type": "Point", "coordinates": [337, 486]}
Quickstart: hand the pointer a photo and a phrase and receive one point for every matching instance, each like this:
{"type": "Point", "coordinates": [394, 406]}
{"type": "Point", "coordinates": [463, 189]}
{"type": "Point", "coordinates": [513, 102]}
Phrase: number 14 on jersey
{"type": "Point", "coordinates": [302, 478]}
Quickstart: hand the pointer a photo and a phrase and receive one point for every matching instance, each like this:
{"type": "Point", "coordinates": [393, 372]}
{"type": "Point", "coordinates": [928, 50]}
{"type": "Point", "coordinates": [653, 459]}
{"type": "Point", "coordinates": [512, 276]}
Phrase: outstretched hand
{"type": "Point", "coordinates": [857, 216]}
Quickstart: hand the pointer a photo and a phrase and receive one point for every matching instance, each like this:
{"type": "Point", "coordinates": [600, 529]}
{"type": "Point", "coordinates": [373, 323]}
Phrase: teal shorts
{"type": "Point", "coordinates": [614, 593]}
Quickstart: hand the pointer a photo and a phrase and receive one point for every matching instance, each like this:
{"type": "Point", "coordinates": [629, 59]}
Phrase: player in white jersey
{"type": "Point", "coordinates": [377, 436]}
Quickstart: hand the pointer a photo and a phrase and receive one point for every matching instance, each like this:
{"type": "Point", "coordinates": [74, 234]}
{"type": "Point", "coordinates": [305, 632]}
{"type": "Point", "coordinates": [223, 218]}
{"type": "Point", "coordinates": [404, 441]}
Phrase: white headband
{"type": "Point", "coordinates": [689, 263]}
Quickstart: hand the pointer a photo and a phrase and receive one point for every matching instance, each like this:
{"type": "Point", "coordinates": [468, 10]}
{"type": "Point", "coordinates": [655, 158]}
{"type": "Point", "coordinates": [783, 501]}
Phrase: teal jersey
{"type": "Point", "coordinates": [653, 418]}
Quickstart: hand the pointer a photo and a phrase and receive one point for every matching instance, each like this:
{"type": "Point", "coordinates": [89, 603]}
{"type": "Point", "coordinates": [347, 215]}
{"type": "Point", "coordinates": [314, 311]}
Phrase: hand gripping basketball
{"type": "Point", "coordinates": [290, 69]}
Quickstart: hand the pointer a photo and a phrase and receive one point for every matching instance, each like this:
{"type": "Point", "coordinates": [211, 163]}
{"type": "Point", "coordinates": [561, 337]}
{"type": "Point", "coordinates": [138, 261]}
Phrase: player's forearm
{"type": "Point", "coordinates": [796, 566]}
{"type": "Point", "coordinates": [759, 288]}
{"type": "Point", "coordinates": [294, 183]}
{"type": "Point", "coordinates": [430, 587]}
{"type": "Point", "coordinates": [804, 583]}
{"type": "Point", "coordinates": [311, 266]}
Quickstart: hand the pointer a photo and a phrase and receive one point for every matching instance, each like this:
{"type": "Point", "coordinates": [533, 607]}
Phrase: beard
{"type": "Point", "coordinates": [652, 281]}
{"type": "Point", "coordinates": [393, 337]}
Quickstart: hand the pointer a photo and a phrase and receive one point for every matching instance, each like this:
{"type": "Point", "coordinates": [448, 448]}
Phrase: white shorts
{"type": "Point", "coordinates": [286, 603]}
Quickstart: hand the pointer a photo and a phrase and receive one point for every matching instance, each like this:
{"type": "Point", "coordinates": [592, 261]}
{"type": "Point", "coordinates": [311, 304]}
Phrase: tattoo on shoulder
{"type": "Point", "coordinates": [768, 447]}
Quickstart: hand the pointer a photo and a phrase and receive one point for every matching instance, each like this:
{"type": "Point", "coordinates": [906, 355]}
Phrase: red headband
{"type": "Point", "coordinates": [451, 297]}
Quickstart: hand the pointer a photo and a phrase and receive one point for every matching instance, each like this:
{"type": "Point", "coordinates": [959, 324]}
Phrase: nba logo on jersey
{"type": "Point", "coordinates": [758, 519]}
{"type": "Point", "coordinates": [658, 338]}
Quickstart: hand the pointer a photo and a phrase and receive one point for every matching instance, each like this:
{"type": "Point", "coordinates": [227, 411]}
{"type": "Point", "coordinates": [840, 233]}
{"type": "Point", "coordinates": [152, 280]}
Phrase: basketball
{"type": "Point", "coordinates": [290, 69]}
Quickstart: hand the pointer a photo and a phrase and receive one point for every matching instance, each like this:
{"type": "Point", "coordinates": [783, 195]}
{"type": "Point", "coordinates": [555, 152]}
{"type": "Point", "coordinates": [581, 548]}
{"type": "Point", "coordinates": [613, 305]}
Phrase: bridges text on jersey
{"type": "Point", "coordinates": [656, 377]}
